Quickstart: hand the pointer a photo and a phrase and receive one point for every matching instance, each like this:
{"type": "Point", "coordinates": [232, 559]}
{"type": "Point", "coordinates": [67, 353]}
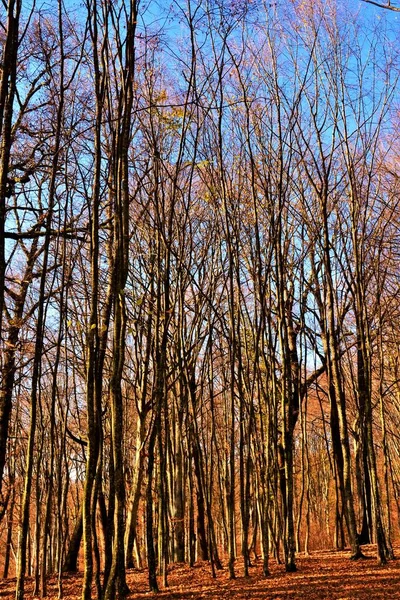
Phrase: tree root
{"type": "Point", "coordinates": [358, 556]}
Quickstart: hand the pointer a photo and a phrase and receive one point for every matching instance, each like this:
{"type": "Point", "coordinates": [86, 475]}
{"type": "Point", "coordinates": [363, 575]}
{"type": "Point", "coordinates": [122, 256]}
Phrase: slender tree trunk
{"type": "Point", "coordinates": [10, 515]}
{"type": "Point", "coordinates": [24, 528]}
{"type": "Point", "coordinates": [151, 555]}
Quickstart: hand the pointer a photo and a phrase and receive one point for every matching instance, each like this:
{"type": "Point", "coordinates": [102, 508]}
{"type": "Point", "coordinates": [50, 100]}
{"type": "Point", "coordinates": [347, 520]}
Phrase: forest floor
{"type": "Point", "coordinates": [323, 575]}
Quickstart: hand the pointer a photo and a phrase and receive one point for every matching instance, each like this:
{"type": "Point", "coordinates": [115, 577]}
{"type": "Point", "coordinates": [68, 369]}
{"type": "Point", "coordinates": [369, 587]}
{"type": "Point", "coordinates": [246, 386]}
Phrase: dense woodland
{"type": "Point", "coordinates": [199, 286]}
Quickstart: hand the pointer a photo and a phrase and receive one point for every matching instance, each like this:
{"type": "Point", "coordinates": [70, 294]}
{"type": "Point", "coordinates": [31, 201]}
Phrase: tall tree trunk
{"type": "Point", "coordinates": [151, 555]}
{"type": "Point", "coordinates": [7, 93]}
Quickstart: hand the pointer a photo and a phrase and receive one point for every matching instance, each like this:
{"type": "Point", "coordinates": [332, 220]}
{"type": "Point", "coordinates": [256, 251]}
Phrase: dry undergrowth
{"type": "Point", "coordinates": [328, 575]}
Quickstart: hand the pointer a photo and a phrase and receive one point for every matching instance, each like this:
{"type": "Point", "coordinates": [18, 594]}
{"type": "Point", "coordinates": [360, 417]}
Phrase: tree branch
{"type": "Point", "coordinates": [388, 5]}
